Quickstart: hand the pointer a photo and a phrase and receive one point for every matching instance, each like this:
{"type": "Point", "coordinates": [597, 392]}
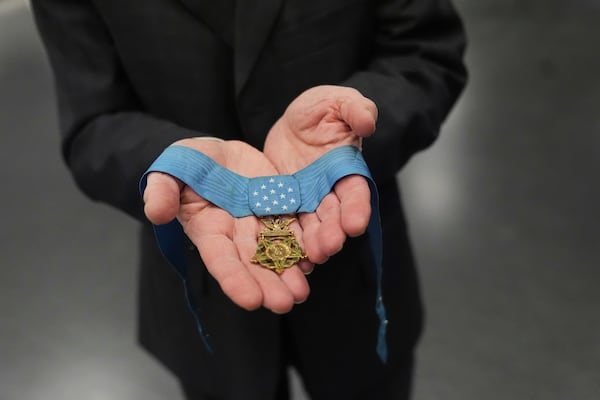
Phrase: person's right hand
{"type": "Point", "coordinates": [226, 244]}
{"type": "Point", "coordinates": [318, 120]}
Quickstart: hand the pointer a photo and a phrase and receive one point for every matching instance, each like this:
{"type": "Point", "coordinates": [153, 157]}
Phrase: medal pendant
{"type": "Point", "coordinates": [277, 246]}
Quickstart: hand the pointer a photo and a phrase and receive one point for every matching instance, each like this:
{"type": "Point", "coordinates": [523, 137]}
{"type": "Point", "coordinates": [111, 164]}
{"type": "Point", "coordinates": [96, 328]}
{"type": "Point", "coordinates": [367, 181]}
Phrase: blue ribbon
{"type": "Point", "coordinates": [262, 196]}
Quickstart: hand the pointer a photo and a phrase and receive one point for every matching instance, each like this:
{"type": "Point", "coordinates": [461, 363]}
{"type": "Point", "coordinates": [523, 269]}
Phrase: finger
{"type": "Point", "coordinates": [306, 266]}
{"type": "Point", "coordinates": [355, 203]}
{"type": "Point", "coordinates": [331, 235]}
{"type": "Point", "coordinates": [295, 279]}
{"type": "Point", "coordinates": [161, 198]}
{"type": "Point", "coordinates": [310, 234]}
{"type": "Point", "coordinates": [277, 296]}
{"type": "Point", "coordinates": [212, 232]}
{"type": "Point", "coordinates": [360, 113]}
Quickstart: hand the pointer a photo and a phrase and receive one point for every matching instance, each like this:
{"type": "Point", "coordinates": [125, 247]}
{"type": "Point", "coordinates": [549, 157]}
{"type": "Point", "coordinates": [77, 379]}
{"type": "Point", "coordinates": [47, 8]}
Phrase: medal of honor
{"type": "Point", "coordinates": [277, 246]}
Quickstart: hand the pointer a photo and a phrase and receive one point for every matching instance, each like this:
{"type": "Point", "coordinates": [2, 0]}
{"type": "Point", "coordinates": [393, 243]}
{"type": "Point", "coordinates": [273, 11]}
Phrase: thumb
{"type": "Point", "coordinates": [355, 202]}
{"type": "Point", "coordinates": [161, 198]}
{"type": "Point", "coordinates": [360, 113]}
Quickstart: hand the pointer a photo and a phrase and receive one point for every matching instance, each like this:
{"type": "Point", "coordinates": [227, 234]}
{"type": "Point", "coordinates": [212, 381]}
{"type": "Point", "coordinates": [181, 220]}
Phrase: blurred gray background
{"type": "Point", "coordinates": [504, 211]}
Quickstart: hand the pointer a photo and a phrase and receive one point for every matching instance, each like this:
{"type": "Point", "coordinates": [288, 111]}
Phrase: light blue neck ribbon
{"type": "Point", "coordinates": [262, 196]}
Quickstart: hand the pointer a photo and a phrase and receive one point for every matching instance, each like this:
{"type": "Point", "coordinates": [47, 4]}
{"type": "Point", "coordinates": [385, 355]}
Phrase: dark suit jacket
{"type": "Point", "coordinates": [134, 76]}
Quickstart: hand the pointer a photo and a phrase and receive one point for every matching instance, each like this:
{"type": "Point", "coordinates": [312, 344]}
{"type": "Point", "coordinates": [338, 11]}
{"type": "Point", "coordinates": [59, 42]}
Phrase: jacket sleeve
{"type": "Point", "coordinates": [107, 141]}
{"type": "Point", "coordinates": [415, 75]}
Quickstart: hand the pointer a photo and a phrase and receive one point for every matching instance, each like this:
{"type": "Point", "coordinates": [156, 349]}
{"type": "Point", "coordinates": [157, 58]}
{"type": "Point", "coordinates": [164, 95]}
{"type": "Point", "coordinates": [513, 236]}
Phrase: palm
{"type": "Point", "coordinates": [318, 120]}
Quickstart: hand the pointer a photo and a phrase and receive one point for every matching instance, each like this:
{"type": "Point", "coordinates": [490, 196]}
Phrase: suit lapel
{"type": "Point", "coordinates": [217, 15]}
{"type": "Point", "coordinates": [253, 22]}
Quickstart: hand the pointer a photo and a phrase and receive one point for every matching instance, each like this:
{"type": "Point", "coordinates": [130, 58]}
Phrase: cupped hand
{"type": "Point", "coordinates": [226, 244]}
{"type": "Point", "coordinates": [320, 119]}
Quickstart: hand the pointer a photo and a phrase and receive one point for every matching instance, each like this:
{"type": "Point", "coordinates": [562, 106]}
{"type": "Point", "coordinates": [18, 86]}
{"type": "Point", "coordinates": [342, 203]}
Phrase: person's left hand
{"type": "Point", "coordinates": [321, 119]}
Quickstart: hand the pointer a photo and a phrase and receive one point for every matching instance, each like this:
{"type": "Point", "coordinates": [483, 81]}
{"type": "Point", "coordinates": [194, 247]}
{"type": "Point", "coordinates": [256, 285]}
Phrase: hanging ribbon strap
{"type": "Point", "coordinates": [263, 196]}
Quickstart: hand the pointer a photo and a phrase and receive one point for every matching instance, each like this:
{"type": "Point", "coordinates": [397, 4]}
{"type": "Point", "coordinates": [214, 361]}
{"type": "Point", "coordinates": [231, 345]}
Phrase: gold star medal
{"type": "Point", "coordinates": [277, 246]}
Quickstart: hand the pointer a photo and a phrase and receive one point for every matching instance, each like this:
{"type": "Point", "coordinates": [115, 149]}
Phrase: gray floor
{"type": "Point", "coordinates": [504, 211]}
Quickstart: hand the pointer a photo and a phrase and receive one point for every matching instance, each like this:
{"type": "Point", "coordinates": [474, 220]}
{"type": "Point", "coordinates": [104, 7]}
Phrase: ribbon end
{"type": "Point", "coordinates": [382, 350]}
